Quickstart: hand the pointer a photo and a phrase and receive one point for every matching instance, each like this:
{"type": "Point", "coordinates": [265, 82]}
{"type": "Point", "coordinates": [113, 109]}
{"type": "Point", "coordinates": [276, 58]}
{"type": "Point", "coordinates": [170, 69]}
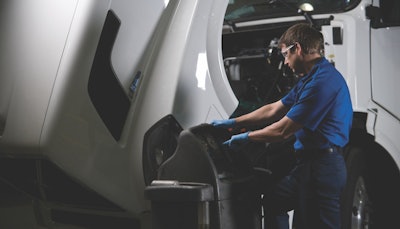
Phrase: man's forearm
{"type": "Point", "coordinates": [276, 132]}
{"type": "Point", "coordinates": [264, 115]}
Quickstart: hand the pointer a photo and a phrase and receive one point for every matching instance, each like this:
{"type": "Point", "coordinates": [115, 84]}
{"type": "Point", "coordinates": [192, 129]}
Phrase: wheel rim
{"type": "Point", "coordinates": [361, 206]}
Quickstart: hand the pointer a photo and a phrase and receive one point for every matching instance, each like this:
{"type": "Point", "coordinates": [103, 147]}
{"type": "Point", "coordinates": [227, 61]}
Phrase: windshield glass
{"type": "Point", "coordinates": [241, 10]}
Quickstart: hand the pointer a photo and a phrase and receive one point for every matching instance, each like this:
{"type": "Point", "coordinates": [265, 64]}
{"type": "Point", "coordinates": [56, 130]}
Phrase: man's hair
{"type": "Point", "coordinates": [310, 39]}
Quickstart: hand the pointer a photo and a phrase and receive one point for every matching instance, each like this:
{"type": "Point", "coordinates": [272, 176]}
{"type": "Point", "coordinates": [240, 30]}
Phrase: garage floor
{"type": "Point", "coordinates": [17, 212]}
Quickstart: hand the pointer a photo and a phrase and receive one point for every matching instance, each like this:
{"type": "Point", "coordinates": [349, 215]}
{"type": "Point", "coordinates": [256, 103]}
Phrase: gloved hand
{"type": "Point", "coordinates": [226, 123]}
{"type": "Point", "coordinates": [237, 141]}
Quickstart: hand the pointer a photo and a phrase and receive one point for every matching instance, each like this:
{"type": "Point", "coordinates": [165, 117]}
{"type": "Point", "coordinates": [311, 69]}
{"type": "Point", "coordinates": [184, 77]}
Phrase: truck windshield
{"type": "Point", "coordinates": [244, 10]}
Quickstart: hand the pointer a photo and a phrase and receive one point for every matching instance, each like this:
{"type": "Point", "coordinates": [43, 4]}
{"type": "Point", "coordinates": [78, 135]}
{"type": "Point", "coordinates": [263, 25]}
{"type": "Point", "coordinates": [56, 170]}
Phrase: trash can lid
{"type": "Point", "coordinates": [166, 190]}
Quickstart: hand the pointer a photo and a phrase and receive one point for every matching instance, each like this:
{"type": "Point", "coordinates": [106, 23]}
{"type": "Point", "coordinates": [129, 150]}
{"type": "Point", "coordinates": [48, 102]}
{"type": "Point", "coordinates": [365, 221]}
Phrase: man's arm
{"type": "Point", "coordinates": [264, 115]}
{"type": "Point", "coordinates": [276, 132]}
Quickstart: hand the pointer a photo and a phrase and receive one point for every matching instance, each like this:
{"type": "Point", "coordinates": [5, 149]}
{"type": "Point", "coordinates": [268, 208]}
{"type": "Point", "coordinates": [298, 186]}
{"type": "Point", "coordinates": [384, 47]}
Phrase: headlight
{"type": "Point", "coordinates": [159, 144]}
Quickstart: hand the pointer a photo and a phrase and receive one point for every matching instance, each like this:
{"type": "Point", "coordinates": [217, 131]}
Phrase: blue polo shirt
{"type": "Point", "coordinates": [320, 102]}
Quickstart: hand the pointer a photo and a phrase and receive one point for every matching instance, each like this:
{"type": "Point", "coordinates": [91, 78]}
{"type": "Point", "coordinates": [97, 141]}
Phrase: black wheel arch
{"type": "Point", "coordinates": [382, 175]}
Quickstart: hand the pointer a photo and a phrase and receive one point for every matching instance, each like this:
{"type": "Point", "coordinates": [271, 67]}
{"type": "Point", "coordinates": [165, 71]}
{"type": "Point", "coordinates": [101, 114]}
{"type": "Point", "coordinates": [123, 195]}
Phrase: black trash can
{"type": "Point", "coordinates": [202, 185]}
{"type": "Point", "coordinates": [179, 205]}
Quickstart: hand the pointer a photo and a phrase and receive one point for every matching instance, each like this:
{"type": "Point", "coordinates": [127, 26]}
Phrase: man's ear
{"type": "Point", "coordinates": [299, 49]}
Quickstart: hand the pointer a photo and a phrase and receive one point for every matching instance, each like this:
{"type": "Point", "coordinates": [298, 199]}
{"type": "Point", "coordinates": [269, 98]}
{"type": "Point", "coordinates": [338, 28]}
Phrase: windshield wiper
{"type": "Point", "coordinates": [243, 10]}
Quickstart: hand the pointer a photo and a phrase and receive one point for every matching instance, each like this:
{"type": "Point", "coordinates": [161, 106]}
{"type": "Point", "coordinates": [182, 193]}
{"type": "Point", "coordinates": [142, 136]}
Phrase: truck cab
{"type": "Point", "coordinates": [94, 94]}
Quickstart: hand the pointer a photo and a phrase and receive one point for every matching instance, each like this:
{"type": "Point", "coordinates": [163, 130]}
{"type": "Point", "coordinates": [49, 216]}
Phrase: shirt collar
{"type": "Point", "coordinates": [314, 69]}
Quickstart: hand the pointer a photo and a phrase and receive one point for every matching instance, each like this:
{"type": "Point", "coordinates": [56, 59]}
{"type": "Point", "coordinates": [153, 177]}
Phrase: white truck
{"type": "Point", "coordinates": [94, 93]}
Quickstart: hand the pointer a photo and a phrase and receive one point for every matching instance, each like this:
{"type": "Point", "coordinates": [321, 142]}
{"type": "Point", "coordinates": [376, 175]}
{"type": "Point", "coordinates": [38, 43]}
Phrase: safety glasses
{"type": "Point", "coordinates": [286, 50]}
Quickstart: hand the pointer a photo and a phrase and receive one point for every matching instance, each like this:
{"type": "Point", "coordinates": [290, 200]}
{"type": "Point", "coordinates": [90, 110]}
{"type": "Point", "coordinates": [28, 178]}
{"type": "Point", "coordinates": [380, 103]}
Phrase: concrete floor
{"type": "Point", "coordinates": [16, 211]}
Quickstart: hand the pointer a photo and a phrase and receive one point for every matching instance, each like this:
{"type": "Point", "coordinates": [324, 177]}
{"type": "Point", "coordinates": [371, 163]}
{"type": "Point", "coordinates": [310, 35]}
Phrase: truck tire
{"type": "Point", "coordinates": [355, 203]}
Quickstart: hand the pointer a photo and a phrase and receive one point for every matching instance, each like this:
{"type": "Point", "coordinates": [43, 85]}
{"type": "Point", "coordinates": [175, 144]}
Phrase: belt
{"type": "Point", "coordinates": [332, 149]}
{"type": "Point", "coordinates": [317, 152]}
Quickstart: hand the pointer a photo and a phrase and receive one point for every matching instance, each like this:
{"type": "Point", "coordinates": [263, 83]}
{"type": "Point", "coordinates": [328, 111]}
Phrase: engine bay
{"type": "Point", "coordinates": [255, 67]}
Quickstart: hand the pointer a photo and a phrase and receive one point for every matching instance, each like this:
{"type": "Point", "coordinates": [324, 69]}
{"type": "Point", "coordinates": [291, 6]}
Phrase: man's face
{"type": "Point", "coordinates": [292, 58]}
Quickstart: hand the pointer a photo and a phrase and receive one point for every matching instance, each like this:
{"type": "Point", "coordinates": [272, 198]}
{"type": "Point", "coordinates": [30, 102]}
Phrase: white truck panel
{"type": "Point", "coordinates": [31, 51]}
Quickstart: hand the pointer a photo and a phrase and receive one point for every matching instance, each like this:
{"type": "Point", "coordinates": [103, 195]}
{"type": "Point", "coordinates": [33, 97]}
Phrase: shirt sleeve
{"type": "Point", "coordinates": [289, 99]}
{"type": "Point", "coordinates": [315, 101]}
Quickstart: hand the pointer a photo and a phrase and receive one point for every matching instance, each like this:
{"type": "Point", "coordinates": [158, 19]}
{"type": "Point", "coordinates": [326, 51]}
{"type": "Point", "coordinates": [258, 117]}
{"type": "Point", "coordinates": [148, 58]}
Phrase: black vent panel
{"type": "Point", "coordinates": [105, 90]}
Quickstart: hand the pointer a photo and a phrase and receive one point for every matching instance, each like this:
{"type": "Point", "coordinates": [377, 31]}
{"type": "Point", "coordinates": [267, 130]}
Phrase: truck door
{"type": "Point", "coordinates": [385, 55]}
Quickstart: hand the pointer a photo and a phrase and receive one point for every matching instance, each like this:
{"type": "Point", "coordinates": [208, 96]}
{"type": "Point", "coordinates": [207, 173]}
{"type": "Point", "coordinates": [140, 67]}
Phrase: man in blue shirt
{"type": "Point", "coordinates": [318, 111]}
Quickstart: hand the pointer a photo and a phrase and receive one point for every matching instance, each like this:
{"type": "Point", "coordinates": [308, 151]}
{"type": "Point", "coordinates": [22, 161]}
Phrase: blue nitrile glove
{"type": "Point", "coordinates": [226, 123]}
{"type": "Point", "coordinates": [237, 141]}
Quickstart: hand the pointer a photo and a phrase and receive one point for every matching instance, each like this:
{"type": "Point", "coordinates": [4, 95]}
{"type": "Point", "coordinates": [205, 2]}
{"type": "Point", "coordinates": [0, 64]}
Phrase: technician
{"type": "Point", "coordinates": [318, 111]}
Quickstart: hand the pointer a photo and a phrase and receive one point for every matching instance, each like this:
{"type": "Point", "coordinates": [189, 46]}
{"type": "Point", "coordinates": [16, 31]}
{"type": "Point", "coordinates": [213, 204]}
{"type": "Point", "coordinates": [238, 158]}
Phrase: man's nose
{"type": "Point", "coordinates": [286, 61]}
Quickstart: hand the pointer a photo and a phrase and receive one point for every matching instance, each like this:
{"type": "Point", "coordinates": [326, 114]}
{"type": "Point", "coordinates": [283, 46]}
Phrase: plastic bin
{"type": "Point", "coordinates": [179, 205]}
